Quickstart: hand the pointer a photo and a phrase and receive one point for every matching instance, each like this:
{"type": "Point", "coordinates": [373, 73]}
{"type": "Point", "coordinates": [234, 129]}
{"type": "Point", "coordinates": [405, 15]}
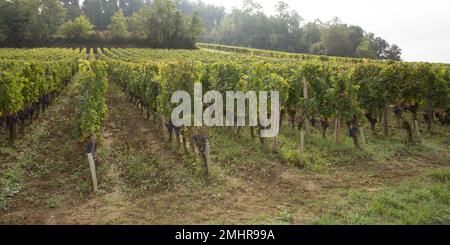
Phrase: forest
{"type": "Point", "coordinates": [181, 23]}
{"type": "Point", "coordinates": [56, 23]}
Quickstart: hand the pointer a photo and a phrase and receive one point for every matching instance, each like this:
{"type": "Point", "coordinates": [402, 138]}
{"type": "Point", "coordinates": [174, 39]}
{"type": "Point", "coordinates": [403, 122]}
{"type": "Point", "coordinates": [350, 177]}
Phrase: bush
{"type": "Point", "coordinates": [80, 29]}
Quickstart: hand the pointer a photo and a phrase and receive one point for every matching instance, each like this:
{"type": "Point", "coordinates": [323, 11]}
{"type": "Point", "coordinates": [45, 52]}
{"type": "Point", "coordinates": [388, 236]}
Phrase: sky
{"type": "Point", "coordinates": [420, 27]}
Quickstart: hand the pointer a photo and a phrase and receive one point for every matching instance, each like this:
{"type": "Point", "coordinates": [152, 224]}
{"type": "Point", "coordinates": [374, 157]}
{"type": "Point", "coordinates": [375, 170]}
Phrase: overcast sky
{"type": "Point", "coordinates": [420, 27]}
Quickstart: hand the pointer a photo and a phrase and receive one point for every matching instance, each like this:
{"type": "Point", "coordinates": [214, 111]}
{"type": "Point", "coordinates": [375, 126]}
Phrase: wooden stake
{"type": "Point", "coordinates": [302, 144]}
{"type": "Point", "coordinates": [275, 144]}
{"type": "Point", "coordinates": [207, 158]}
{"type": "Point", "coordinates": [363, 137]}
{"type": "Point", "coordinates": [93, 173]}
{"type": "Point", "coordinates": [336, 130]}
{"type": "Point", "coordinates": [416, 126]}
{"type": "Point", "coordinates": [305, 89]}
{"type": "Point", "coordinates": [177, 138]}
{"type": "Point", "coordinates": [192, 143]}
{"type": "Point", "coordinates": [163, 123]}
{"type": "Point", "coordinates": [184, 142]}
{"type": "Point", "coordinates": [207, 152]}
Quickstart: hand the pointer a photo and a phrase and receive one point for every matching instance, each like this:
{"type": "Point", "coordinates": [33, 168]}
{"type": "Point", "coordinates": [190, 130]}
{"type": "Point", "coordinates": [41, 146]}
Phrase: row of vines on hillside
{"type": "Point", "coordinates": [91, 108]}
{"type": "Point", "coordinates": [313, 93]}
{"type": "Point", "coordinates": [29, 81]}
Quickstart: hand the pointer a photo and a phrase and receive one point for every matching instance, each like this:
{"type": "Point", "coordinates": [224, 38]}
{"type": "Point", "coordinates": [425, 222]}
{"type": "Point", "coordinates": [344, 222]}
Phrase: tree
{"type": "Point", "coordinates": [36, 27]}
{"type": "Point", "coordinates": [366, 50]}
{"type": "Point", "coordinates": [282, 10]}
{"type": "Point", "coordinates": [118, 27]}
{"type": "Point", "coordinates": [284, 31]}
{"type": "Point", "coordinates": [52, 16]}
{"type": "Point", "coordinates": [382, 48]}
{"type": "Point", "coordinates": [196, 28]}
{"type": "Point", "coordinates": [161, 24]}
{"type": "Point", "coordinates": [212, 16]}
{"type": "Point", "coordinates": [180, 26]}
{"type": "Point", "coordinates": [93, 11]}
{"type": "Point", "coordinates": [109, 8]}
{"type": "Point", "coordinates": [355, 35]}
{"type": "Point", "coordinates": [129, 7]}
{"type": "Point", "coordinates": [251, 7]}
{"type": "Point", "coordinates": [77, 30]}
{"type": "Point", "coordinates": [15, 19]}
{"type": "Point", "coordinates": [157, 23]}
{"type": "Point", "coordinates": [73, 8]}
{"type": "Point", "coordinates": [393, 52]}
{"type": "Point", "coordinates": [311, 35]}
{"type": "Point", "coordinates": [137, 22]}
{"type": "Point", "coordinates": [100, 12]}
{"type": "Point", "coordinates": [335, 41]}
{"type": "Point", "coordinates": [379, 44]}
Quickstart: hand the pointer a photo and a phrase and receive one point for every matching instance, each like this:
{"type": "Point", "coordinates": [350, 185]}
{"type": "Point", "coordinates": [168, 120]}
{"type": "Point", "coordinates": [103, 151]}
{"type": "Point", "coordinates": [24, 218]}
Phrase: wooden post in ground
{"type": "Point", "coordinates": [336, 129]}
{"type": "Point", "coordinates": [90, 152]}
{"type": "Point", "coordinates": [302, 145]}
{"type": "Point", "coordinates": [207, 159]}
{"type": "Point", "coordinates": [93, 172]}
{"type": "Point", "coordinates": [192, 141]}
{"type": "Point", "coordinates": [363, 137]}
{"type": "Point", "coordinates": [177, 137]}
{"type": "Point", "coordinates": [207, 152]}
{"type": "Point", "coordinates": [416, 126]}
{"type": "Point", "coordinates": [275, 144]}
{"type": "Point", "coordinates": [184, 141]}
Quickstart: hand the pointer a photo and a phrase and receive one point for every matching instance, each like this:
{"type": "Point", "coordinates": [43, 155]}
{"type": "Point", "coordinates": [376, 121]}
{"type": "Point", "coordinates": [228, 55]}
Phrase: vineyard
{"type": "Point", "coordinates": [361, 141]}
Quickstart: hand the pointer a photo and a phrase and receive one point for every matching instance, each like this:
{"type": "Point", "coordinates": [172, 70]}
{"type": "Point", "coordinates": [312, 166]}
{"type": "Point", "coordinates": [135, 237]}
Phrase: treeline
{"type": "Point", "coordinates": [180, 23]}
{"type": "Point", "coordinates": [45, 22]}
{"type": "Point", "coordinates": [287, 31]}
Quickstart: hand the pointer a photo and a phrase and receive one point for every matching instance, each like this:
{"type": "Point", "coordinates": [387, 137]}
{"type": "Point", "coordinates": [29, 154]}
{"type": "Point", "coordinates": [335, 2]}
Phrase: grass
{"type": "Point", "coordinates": [52, 202]}
{"type": "Point", "coordinates": [424, 200]}
{"type": "Point", "coordinates": [41, 159]}
{"type": "Point", "coordinates": [144, 173]}
{"type": "Point", "coordinates": [396, 197]}
{"type": "Point", "coordinates": [11, 184]}
{"type": "Point", "coordinates": [12, 180]}
{"type": "Point", "coordinates": [321, 152]}
{"type": "Point", "coordinates": [242, 155]}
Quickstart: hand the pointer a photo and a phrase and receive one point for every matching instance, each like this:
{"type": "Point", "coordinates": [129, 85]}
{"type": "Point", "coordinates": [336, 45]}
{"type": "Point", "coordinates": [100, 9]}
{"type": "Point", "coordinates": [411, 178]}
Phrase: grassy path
{"type": "Point", "coordinates": [45, 169]}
